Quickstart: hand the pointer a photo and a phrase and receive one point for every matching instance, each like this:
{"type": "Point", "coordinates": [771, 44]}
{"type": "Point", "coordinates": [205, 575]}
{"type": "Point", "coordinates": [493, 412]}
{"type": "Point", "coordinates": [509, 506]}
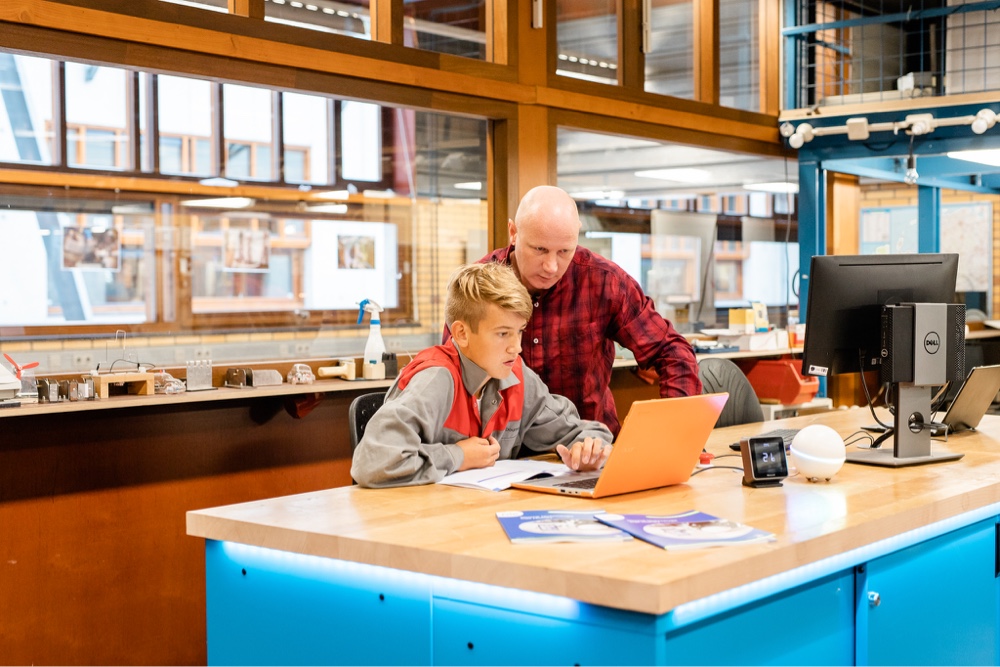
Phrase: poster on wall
{"type": "Point", "coordinates": [966, 229]}
{"type": "Point", "coordinates": [247, 250]}
{"type": "Point", "coordinates": [355, 252]}
{"type": "Point", "coordinates": [350, 261]}
{"type": "Point", "coordinates": [90, 248]}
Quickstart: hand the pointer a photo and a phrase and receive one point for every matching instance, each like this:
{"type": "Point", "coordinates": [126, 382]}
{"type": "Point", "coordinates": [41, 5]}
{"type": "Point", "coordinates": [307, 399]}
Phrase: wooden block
{"type": "Point", "coordinates": [137, 383]}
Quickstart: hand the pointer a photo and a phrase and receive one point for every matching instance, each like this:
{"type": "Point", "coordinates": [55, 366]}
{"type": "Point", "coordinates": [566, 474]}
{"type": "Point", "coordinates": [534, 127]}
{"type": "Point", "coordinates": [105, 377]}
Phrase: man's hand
{"type": "Point", "coordinates": [479, 452]}
{"type": "Point", "coordinates": [587, 455]}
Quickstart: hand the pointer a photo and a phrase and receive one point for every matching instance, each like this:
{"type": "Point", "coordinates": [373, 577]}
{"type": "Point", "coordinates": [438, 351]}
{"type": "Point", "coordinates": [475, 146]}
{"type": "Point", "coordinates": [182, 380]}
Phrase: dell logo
{"type": "Point", "coordinates": [932, 343]}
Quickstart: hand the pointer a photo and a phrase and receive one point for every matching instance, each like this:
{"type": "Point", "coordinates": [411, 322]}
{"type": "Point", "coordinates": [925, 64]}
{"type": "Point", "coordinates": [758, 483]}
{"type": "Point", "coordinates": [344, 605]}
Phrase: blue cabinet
{"type": "Point", "coordinates": [935, 603]}
{"type": "Point", "coordinates": [275, 608]}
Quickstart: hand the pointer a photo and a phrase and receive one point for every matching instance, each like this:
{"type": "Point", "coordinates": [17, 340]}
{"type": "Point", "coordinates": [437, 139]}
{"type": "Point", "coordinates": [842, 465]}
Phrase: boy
{"type": "Point", "coordinates": [471, 401]}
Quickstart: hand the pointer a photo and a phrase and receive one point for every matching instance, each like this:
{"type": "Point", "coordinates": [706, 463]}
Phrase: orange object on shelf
{"type": "Point", "coordinates": [782, 380]}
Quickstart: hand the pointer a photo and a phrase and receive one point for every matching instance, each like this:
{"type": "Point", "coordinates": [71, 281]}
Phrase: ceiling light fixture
{"type": "Point", "coordinates": [777, 187]}
{"type": "Point", "coordinates": [680, 175]}
{"type": "Point", "coordinates": [989, 157]}
{"type": "Point", "coordinates": [859, 129]}
{"type": "Point", "coordinates": [328, 208]}
{"type": "Point", "coordinates": [469, 185]}
{"type": "Point", "coordinates": [219, 202]}
{"type": "Point", "coordinates": [219, 182]}
{"type": "Point", "coordinates": [341, 195]}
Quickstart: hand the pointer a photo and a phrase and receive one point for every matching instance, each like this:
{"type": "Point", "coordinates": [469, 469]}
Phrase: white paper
{"type": "Point", "coordinates": [503, 473]}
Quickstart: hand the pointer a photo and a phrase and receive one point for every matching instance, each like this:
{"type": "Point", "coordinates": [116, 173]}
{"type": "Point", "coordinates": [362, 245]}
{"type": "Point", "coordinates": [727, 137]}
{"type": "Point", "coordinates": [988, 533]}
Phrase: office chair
{"type": "Point", "coordinates": [723, 375]}
{"type": "Point", "coordinates": [361, 410]}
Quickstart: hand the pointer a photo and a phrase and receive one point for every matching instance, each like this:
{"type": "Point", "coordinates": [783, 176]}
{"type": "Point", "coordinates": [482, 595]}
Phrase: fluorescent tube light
{"type": "Point", "coordinates": [219, 182]}
{"type": "Point", "coordinates": [989, 157]}
{"type": "Point", "coordinates": [342, 195]}
{"type": "Point", "coordinates": [328, 208]}
{"type": "Point", "coordinates": [469, 185]}
{"type": "Point", "coordinates": [680, 175]}
{"type": "Point", "coordinates": [219, 202]}
{"type": "Point", "coordinates": [778, 188]}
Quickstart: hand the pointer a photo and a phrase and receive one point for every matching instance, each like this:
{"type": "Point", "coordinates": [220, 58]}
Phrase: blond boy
{"type": "Point", "coordinates": [471, 401]}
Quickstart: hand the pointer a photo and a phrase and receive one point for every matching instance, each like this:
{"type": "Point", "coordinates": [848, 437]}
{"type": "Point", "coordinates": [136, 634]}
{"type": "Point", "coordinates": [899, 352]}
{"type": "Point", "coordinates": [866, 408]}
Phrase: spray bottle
{"type": "Point", "coordinates": [374, 367]}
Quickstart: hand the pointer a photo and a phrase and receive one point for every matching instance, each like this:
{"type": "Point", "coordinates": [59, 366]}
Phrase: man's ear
{"type": "Point", "coordinates": [460, 332]}
{"type": "Point", "coordinates": [511, 231]}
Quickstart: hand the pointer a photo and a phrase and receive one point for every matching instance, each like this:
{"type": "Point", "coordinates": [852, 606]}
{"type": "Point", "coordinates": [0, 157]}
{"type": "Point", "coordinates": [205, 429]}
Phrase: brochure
{"type": "Point", "coordinates": [503, 473]}
{"type": "Point", "coordinates": [536, 526]}
{"type": "Point", "coordinates": [687, 530]}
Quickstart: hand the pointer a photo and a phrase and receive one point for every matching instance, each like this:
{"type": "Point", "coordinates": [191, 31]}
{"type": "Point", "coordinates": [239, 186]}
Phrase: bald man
{"type": "Point", "coordinates": [583, 305]}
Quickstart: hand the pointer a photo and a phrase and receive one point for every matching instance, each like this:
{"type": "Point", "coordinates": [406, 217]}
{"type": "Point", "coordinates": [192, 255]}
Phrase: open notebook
{"type": "Point", "coordinates": [658, 445]}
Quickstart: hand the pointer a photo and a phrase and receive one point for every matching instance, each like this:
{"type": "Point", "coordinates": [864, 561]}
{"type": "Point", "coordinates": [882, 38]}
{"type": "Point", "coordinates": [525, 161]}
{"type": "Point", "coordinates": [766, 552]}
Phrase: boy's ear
{"type": "Point", "coordinates": [460, 332]}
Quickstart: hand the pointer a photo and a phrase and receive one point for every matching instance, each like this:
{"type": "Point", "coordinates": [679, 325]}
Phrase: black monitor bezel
{"type": "Point", "coordinates": [845, 299]}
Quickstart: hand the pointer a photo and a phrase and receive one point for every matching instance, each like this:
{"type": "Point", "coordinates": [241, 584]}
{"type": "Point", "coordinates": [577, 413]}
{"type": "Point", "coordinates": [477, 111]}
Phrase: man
{"type": "Point", "coordinates": [583, 304]}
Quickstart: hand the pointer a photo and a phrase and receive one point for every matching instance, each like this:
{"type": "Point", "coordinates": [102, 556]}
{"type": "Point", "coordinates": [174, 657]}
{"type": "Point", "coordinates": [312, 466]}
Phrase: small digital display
{"type": "Point", "coordinates": [767, 455]}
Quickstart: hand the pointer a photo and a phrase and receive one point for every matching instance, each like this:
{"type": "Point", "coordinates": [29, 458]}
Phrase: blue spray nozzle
{"type": "Point", "coordinates": [367, 305]}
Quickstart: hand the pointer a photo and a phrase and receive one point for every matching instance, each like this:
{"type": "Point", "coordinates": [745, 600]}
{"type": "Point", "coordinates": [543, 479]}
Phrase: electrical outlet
{"type": "Point", "coordinates": [202, 353]}
{"type": "Point", "coordinates": [83, 359]}
{"type": "Point", "coordinates": [302, 348]}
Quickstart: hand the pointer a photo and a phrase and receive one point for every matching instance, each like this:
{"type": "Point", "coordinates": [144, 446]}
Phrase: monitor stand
{"type": "Point", "coordinates": [911, 445]}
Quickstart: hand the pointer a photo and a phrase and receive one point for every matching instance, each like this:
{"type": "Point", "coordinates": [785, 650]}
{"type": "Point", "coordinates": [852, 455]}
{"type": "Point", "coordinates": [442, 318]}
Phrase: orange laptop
{"type": "Point", "coordinates": [658, 445]}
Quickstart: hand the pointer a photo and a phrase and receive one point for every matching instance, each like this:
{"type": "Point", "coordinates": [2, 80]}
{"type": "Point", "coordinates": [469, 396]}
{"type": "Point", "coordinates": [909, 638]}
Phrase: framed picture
{"type": "Point", "coordinates": [91, 248]}
{"type": "Point", "coordinates": [355, 252]}
{"type": "Point", "coordinates": [247, 250]}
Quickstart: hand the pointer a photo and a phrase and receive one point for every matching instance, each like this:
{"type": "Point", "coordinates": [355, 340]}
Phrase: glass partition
{"type": "Point", "coordinates": [587, 34]}
{"type": "Point", "coordinates": [374, 202]}
{"type": "Point", "coordinates": [671, 54]}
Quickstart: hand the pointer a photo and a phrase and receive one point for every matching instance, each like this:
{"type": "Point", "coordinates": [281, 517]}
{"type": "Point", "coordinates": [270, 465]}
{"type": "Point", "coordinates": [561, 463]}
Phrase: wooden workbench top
{"type": "Point", "coordinates": [453, 532]}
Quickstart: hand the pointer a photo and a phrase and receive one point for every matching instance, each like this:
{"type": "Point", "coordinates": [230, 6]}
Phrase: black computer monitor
{"type": "Point", "coordinates": [846, 296]}
{"type": "Point", "coordinates": [893, 313]}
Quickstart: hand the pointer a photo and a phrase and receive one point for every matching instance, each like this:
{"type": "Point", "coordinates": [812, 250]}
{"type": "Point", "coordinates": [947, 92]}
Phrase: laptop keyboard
{"type": "Point", "coordinates": [588, 483]}
{"type": "Point", "coordinates": [786, 434]}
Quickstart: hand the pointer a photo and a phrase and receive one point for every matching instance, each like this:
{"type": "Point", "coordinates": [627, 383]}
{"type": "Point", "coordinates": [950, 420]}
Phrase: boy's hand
{"type": "Point", "coordinates": [587, 455]}
{"type": "Point", "coordinates": [479, 452]}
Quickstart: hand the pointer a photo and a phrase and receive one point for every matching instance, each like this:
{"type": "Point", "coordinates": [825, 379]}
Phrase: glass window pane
{"type": "Point", "coordinates": [185, 111]}
{"type": "Point", "coordinates": [344, 17]}
{"type": "Point", "coordinates": [100, 147]}
{"type": "Point", "coordinates": [587, 32]}
{"type": "Point", "coordinates": [247, 120]}
{"type": "Point", "coordinates": [457, 27]}
{"type": "Point", "coordinates": [171, 150]}
{"type": "Point", "coordinates": [670, 61]}
{"type": "Point", "coordinates": [95, 106]}
{"type": "Point", "coordinates": [84, 268]}
{"type": "Point", "coordinates": [211, 5]}
{"type": "Point", "coordinates": [25, 109]}
{"type": "Point", "coordinates": [238, 161]}
{"type": "Point", "coordinates": [145, 157]}
{"type": "Point", "coordinates": [739, 54]}
{"type": "Point", "coordinates": [306, 128]}
{"type": "Point", "coordinates": [361, 141]}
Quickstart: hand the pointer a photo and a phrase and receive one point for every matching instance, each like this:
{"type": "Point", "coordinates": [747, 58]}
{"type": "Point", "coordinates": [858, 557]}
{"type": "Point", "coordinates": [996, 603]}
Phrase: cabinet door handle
{"type": "Point", "coordinates": [874, 599]}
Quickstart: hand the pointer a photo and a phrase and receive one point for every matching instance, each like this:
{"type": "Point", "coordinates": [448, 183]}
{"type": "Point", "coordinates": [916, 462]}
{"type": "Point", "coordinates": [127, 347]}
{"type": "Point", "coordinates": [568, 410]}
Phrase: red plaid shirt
{"type": "Point", "coordinates": [570, 337]}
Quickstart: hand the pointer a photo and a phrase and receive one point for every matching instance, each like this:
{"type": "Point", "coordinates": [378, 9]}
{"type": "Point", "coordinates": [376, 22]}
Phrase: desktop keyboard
{"type": "Point", "coordinates": [588, 483]}
{"type": "Point", "coordinates": [786, 434]}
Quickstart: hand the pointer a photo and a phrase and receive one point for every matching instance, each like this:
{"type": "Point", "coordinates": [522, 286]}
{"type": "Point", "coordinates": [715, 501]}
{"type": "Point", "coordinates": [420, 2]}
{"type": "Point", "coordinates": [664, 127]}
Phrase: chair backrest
{"type": "Point", "coordinates": [361, 410]}
{"type": "Point", "coordinates": [723, 375]}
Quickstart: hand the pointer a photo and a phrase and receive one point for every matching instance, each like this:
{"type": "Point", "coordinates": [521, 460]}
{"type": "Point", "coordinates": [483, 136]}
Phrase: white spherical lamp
{"type": "Point", "coordinates": [817, 452]}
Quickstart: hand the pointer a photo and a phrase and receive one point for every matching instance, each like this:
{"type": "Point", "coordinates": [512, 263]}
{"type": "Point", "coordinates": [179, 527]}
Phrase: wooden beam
{"type": "Point", "coordinates": [500, 24]}
{"type": "Point", "coordinates": [253, 9]}
{"type": "Point", "coordinates": [386, 20]}
{"type": "Point", "coordinates": [706, 51]}
{"type": "Point", "coordinates": [770, 57]}
{"type": "Point", "coordinates": [631, 59]}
